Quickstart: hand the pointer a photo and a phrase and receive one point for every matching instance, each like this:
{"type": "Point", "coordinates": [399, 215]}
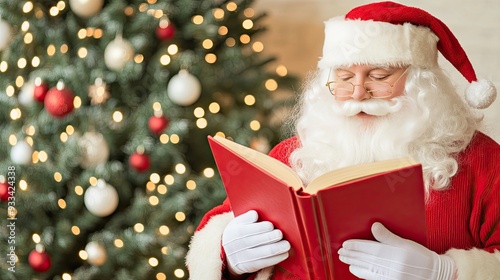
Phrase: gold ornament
{"type": "Point", "coordinates": [98, 92]}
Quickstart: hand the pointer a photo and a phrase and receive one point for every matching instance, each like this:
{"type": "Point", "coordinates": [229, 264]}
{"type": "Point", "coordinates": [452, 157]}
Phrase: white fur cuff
{"type": "Point", "coordinates": [476, 264]}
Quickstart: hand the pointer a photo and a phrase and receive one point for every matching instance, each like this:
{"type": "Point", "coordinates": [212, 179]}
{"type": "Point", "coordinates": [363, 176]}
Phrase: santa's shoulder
{"type": "Point", "coordinates": [483, 151]}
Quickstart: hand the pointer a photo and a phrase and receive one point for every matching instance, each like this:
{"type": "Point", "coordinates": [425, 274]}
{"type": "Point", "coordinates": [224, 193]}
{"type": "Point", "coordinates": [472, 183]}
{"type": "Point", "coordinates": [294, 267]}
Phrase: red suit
{"type": "Point", "coordinates": [463, 221]}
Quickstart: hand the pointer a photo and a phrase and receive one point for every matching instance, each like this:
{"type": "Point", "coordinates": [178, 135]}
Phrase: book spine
{"type": "Point", "coordinates": [313, 231]}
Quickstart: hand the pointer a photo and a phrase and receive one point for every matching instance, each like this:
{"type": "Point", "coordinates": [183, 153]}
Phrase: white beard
{"type": "Point", "coordinates": [345, 139]}
{"type": "Point", "coordinates": [430, 123]}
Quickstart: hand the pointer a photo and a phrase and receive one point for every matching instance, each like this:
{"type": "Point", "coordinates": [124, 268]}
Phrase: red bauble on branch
{"type": "Point", "coordinates": [165, 30]}
{"type": "Point", "coordinates": [40, 90]}
{"type": "Point", "coordinates": [59, 101]}
{"type": "Point", "coordinates": [4, 191]}
{"type": "Point", "coordinates": [39, 260]}
{"type": "Point", "coordinates": [139, 160]}
{"type": "Point", "coordinates": [157, 123]}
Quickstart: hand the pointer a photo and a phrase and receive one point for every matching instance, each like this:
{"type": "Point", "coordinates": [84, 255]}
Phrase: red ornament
{"type": "Point", "coordinates": [59, 101]}
{"type": "Point", "coordinates": [165, 30]}
{"type": "Point", "coordinates": [139, 161]}
{"type": "Point", "coordinates": [157, 124]}
{"type": "Point", "coordinates": [41, 90]}
{"type": "Point", "coordinates": [4, 191]}
{"type": "Point", "coordinates": [39, 261]}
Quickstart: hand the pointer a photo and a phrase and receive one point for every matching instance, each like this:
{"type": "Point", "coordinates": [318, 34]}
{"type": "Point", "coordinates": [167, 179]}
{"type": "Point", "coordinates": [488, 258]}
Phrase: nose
{"type": "Point", "coordinates": [360, 92]}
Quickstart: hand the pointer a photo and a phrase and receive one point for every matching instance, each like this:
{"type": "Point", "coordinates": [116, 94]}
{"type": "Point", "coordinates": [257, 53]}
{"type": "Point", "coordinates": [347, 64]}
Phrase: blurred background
{"type": "Point", "coordinates": [295, 34]}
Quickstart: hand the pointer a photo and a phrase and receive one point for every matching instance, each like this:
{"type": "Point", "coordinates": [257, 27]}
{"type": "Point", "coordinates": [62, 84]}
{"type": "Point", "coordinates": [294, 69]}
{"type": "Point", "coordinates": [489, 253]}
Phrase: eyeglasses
{"type": "Point", "coordinates": [373, 88]}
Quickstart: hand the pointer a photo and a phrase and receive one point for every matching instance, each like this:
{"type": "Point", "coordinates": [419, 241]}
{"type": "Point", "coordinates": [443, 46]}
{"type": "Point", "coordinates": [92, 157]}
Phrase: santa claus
{"type": "Point", "coordinates": [385, 97]}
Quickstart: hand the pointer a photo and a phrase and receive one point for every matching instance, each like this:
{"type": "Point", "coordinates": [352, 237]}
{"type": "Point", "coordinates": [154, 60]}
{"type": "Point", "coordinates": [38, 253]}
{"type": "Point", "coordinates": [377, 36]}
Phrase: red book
{"type": "Point", "coordinates": [317, 218]}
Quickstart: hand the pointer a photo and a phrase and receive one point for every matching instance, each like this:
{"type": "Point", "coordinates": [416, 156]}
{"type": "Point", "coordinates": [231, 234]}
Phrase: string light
{"type": "Point", "coordinates": [153, 262]}
{"type": "Point", "coordinates": [79, 190]}
{"type": "Point", "coordinates": [51, 50]}
{"type": "Point", "coordinates": [165, 60]}
{"type": "Point", "coordinates": [161, 276]}
{"type": "Point", "coordinates": [58, 177]}
{"type": "Point", "coordinates": [27, 7]}
{"type": "Point", "coordinates": [245, 39]}
{"type": "Point", "coordinates": [164, 230]}
{"type": "Point", "coordinates": [150, 186]}
{"type": "Point", "coordinates": [207, 44]}
{"type": "Point", "coordinates": [82, 52]}
{"type": "Point", "coordinates": [36, 238]}
{"type": "Point", "coordinates": [179, 273]}
{"type": "Point", "coordinates": [30, 130]}
{"type": "Point", "coordinates": [214, 107]}
{"type": "Point", "coordinates": [209, 172]}
{"type": "Point", "coordinates": [169, 179]}
{"type": "Point", "coordinates": [77, 102]}
{"type": "Point", "coordinates": [162, 189]}
{"type": "Point", "coordinates": [23, 185]}
{"type": "Point", "coordinates": [19, 81]}
{"type": "Point", "coordinates": [201, 123]}
{"type": "Point", "coordinates": [10, 91]}
{"type": "Point", "coordinates": [139, 58]}
{"type": "Point", "coordinates": [75, 230]}
{"type": "Point", "coordinates": [35, 61]}
{"type": "Point", "coordinates": [180, 216]}
{"type": "Point", "coordinates": [191, 185]}
{"type": "Point", "coordinates": [247, 24]}
{"type": "Point", "coordinates": [83, 255]}
{"type": "Point", "coordinates": [180, 168]}
{"type": "Point", "coordinates": [4, 66]}
{"type": "Point", "coordinates": [281, 70]}
{"type": "Point", "coordinates": [93, 181]}
{"type": "Point", "coordinates": [61, 203]}
{"type": "Point", "coordinates": [222, 30]}
{"type": "Point", "coordinates": [139, 227]}
{"type": "Point", "coordinates": [197, 19]}
{"type": "Point", "coordinates": [66, 276]}
{"type": "Point", "coordinates": [271, 85]}
{"type": "Point", "coordinates": [118, 243]}
{"type": "Point", "coordinates": [258, 46]}
{"type": "Point", "coordinates": [249, 12]}
{"type": "Point", "coordinates": [231, 6]}
{"type": "Point", "coordinates": [117, 116]}
{"type": "Point", "coordinates": [15, 114]}
{"type": "Point", "coordinates": [153, 200]}
{"type": "Point", "coordinates": [210, 58]}
{"type": "Point", "coordinates": [255, 125]}
{"type": "Point", "coordinates": [164, 139]}
{"type": "Point", "coordinates": [199, 112]}
{"type": "Point", "coordinates": [230, 42]}
{"type": "Point", "coordinates": [175, 139]}
{"type": "Point", "coordinates": [155, 178]}
{"type": "Point", "coordinates": [42, 156]}
{"type": "Point", "coordinates": [249, 100]}
{"type": "Point", "coordinates": [218, 13]}
{"type": "Point", "coordinates": [173, 49]}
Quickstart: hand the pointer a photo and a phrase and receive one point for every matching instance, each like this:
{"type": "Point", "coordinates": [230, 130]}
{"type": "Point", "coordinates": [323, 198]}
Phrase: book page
{"type": "Point", "coordinates": [350, 173]}
{"type": "Point", "coordinates": [271, 165]}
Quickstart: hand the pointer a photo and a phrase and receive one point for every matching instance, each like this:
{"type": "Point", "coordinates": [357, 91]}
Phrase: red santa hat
{"type": "Point", "coordinates": [388, 33]}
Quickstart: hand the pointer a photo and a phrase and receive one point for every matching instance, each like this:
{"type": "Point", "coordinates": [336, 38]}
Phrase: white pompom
{"type": "Point", "coordinates": [480, 94]}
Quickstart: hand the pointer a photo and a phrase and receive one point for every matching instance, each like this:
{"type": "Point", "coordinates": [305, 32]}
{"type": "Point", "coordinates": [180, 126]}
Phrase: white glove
{"type": "Point", "coordinates": [251, 245]}
{"type": "Point", "coordinates": [394, 258]}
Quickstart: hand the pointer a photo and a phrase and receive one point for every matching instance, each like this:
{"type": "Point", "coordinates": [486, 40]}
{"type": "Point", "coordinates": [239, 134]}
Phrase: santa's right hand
{"type": "Point", "coordinates": [251, 245]}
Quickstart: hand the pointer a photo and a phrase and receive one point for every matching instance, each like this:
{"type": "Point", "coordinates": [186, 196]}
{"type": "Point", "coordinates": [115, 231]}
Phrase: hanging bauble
{"type": "Point", "coordinates": [21, 153]}
{"type": "Point", "coordinates": [94, 150]}
{"type": "Point", "coordinates": [40, 90]}
{"type": "Point", "coordinates": [118, 53]}
{"type": "Point", "coordinates": [166, 29]}
{"type": "Point", "coordinates": [5, 34]}
{"type": "Point", "coordinates": [86, 8]}
{"type": "Point", "coordinates": [184, 89]}
{"type": "Point", "coordinates": [157, 123]}
{"type": "Point", "coordinates": [98, 92]}
{"type": "Point", "coordinates": [59, 101]}
{"type": "Point", "coordinates": [4, 191]}
{"type": "Point", "coordinates": [101, 199]}
{"type": "Point", "coordinates": [96, 253]}
{"type": "Point", "coordinates": [39, 260]}
{"type": "Point", "coordinates": [26, 96]}
{"type": "Point", "coordinates": [139, 160]}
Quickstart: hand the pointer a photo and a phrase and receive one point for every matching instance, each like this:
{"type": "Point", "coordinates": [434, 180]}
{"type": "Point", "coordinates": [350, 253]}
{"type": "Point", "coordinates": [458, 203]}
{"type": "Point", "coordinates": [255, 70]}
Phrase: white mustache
{"type": "Point", "coordinates": [375, 107]}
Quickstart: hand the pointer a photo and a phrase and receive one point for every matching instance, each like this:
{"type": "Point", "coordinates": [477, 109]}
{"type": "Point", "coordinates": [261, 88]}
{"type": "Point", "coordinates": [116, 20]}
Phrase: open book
{"type": "Point", "coordinates": [317, 218]}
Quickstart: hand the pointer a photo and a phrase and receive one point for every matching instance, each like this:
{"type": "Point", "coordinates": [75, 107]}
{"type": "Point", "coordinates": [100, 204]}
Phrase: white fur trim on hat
{"type": "Point", "coordinates": [476, 264]}
{"type": "Point", "coordinates": [480, 94]}
{"type": "Point", "coordinates": [203, 258]}
{"type": "Point", "coordinates": [349, 42]}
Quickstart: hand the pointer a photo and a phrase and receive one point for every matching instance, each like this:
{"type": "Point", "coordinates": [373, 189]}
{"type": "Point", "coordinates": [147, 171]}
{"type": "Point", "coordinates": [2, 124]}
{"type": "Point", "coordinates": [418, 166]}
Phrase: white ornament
{"type": "Point", "coordinates": [86, 8]}
{"type": "Point", "coordinates": [118, 53]}
{"type": "Point", "coordinates": [95, 150]}
{"type": "Point", "coordinates": [96, 253]}
{"type": "Point", "coordinates": [5, 34]}
{"type": "Point", "coordinates": [21, 153]}
{"type": "Point", "coordinates": [101, 199]}
{"type": "Point", "coordinates": [26, 95]}
{"type": "Point", "coordinates": [184, 89]}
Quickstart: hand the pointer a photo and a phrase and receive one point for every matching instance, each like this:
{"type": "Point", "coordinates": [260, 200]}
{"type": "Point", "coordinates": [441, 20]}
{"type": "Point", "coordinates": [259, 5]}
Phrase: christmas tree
{"type": "Point", "coordinates": [105, 107]}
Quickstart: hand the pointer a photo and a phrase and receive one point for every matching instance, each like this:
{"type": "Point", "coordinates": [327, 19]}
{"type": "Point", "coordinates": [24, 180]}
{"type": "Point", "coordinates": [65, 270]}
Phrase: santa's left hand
{"type": "Point", "coordinates": [393, 257]}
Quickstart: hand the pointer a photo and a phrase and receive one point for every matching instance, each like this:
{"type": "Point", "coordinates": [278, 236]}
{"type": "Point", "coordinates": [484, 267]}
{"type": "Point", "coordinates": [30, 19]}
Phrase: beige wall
{"type": "Point", "coordinates": [295, 35]}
